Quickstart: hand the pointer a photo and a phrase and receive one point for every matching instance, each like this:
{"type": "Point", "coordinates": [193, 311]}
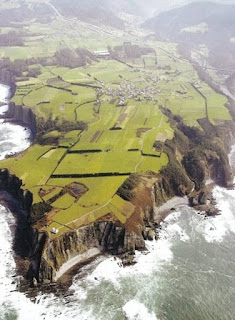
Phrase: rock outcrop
{"type": "Point", "coordinates": [22, 116]}
{"type": "Point", "coordinates": [108, 237]}
{"type": "Point", "coordinates": [12, 184]}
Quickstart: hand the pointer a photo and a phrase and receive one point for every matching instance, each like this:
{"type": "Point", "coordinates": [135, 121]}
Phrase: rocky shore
{"type": "Point", "coordinates": [21, 116]}
{"type": "Point", "coordinates": [43, 261]}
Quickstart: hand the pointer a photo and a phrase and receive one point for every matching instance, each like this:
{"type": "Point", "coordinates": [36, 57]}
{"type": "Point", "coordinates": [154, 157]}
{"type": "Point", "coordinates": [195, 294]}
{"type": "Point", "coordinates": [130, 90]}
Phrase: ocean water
{"type": "Point", "coordinates": [13, 138]}
{"type": "Point", "coordinates": [188, 274]}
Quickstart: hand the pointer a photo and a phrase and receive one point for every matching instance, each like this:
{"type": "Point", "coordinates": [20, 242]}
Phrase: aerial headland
{"type": "Point", "coordinates": [121, 122]}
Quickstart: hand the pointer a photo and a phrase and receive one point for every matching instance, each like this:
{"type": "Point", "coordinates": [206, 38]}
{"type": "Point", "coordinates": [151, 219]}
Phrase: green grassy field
{"type": "Point", "coordinates": [216, 104]}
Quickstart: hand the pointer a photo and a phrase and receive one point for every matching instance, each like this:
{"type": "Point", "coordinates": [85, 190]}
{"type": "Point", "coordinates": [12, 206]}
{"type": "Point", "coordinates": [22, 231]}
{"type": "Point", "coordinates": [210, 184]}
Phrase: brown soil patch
{"type": "Point", "coordinates": [76, 190]}
{"type": "Point", "coordinates": [96, 136]}
{"type": "Point", "coordinates": [46, 220]}
{"type": "Point", "coordinates": [142, 200]}
{"type": "Point", "coordinates": [140, 131]}
{"type": "Point", "coordinates": [108, 217]}
{"type": "Point", "coordinates": [134, 222]}
{"type": "Point", "coordinates": [42, 193]}
{"type": "Point", "coordinates": [122, 117]}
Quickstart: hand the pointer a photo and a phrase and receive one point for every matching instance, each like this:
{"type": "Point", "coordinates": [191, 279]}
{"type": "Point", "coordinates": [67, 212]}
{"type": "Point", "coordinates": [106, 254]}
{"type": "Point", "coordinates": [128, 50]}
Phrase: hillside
{"type": "Point", "coordinates": [202, 23]}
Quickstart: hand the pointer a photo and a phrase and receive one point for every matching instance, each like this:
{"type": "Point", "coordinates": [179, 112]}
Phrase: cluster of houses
{"type": "Point", "coordinates": [129, 91]}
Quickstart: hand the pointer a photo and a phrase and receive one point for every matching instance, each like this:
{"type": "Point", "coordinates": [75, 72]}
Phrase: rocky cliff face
{"type": "Point", "coordinates": [19, 201]}
{"type": "Point", "coordinates": [21, 115]}
{"type": "Point", "coordinates": [107, 236]}
{"type": "Point", "coordinates": [12, 184]}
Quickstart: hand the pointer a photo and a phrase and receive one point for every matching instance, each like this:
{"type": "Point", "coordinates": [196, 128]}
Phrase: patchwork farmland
{"type": "Point", "coordinates": [99, 126]}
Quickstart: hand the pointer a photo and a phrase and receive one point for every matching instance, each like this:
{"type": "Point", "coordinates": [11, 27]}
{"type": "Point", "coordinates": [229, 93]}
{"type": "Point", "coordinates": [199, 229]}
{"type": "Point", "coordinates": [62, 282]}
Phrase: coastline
{"type": "Point", "coordinates": [80, 259]}
{"type": "Point", "coordinates": [169, 206]}
{"type": "Point", "coordinates": [17, 140]}
{"type": "Point", "coordinates": [22, 139]}
{"type": "Point", "coordinates": [160, 213]}
{"type": "Point", "coordinates": [20, 133]}
{"type": "Point", "coordinates": [68, 270]}
{"type": "Point", "coordinates": [9, 117]}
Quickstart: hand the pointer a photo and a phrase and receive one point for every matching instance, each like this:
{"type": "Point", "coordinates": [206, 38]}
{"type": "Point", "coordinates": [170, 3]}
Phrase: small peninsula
{"type": "Point", "coordinates": [121, 122]}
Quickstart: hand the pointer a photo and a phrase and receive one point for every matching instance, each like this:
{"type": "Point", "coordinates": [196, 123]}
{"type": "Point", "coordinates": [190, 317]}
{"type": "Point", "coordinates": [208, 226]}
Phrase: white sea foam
{"type": "Point", "coordinates": [3, 109]}
{"type": "Point", "coordinates": [4, 92]}
{"type": "Point", "coordinates": [14, 136]}
{"type": "Point", "coordinates": [134, 310]}
{"type": "Point", "coordinates": [172, 229]}
{"type": "Point", "coordinates": [173, 217]}
{"type": "Point", "coordinates": [108, 270]}
{"type": "Point", "coordinates": [175, 231]}
{"type": "Point", "coordinates": [215, 229]}
{"type": "Point", "coordinates": [112, 270]}
{"type": "Point", "coordinates": [158, 254]}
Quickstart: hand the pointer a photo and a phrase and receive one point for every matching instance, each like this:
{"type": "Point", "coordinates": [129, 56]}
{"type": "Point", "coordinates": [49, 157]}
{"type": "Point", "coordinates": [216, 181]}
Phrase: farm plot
{"type": "Point", "coordinates": [108, 71]}
{"type": "Point", "coordinates": [109, 140]}
{"type": "Point", "coordinates": [29, 169]}
{"type": "Point", "coordinates": [47, 94]}
{"type": "Point", "coordinates": [216, 103]}
{"type": "Point", "coordinates": [190, 106]}
{"type": "Point", "coordinates": [119, 207]}
{"type": "Point", "coordinates": [154, 164]}
{"type": "Point", "coordinates": [98, 163]}
{"type": "Point", "coordinates": [100, 190]}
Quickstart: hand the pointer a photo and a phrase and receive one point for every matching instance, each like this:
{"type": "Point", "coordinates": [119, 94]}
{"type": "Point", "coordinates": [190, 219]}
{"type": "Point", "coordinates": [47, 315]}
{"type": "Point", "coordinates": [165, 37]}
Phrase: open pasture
{"type": "Point", "coordinates": [100, 190]}
{"type": "Point", "coordinates": [98, 163]}
{"type": "Point", "coordinates": [35, 166]}
{"type": "Point", "coordinates": [215, 103]}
